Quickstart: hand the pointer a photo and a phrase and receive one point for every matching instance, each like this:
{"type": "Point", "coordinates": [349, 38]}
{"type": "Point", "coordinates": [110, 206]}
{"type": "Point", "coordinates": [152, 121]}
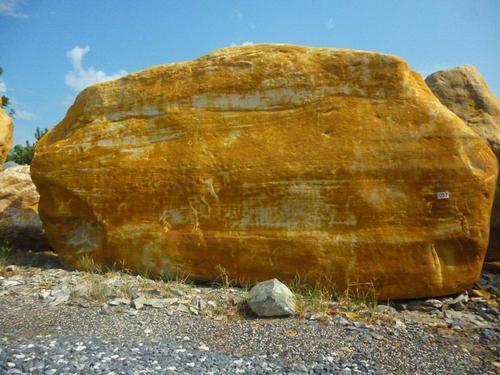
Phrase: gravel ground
{"type": "Point", "coordinates": [42, 337]}
{"type": "Point", "coordinates": [70, 339]}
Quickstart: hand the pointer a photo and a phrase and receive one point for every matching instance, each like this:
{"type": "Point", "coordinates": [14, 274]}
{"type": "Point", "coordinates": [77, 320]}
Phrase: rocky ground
{"type": "Point", "coordinates": [55, 321]}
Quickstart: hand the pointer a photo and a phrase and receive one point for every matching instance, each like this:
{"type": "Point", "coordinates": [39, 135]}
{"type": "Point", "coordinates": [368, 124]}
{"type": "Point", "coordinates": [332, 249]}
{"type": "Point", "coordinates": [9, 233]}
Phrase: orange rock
{"type": "Point", "coordinates": [6, 129]}
{"type": "Point", "coordinates": [464, 91]}
{"type": "Point", "coordinates": [334, 166]}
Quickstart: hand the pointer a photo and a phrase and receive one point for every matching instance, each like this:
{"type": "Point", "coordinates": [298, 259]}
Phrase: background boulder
{"type": "Point", "coordinates": [20, 224]}
{"type": "Point", "coordinates": [6, 129]}
{"type": "Point", "coordinates": [464, 91]}
{"type": "Point", "coordinates": [335, 166]}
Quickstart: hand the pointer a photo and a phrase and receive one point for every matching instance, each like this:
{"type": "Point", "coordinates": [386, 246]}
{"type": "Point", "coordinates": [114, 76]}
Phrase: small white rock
{"type": "Point", "coordinates": [399, 324]}
{"type": "Point", "coordinates": [271, 298]}
{"type": "Point", "coordinates": [138, 303]}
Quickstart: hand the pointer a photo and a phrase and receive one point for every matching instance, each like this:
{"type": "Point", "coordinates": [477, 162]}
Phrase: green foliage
{"type": "Point", "coordinates": [24, 154]}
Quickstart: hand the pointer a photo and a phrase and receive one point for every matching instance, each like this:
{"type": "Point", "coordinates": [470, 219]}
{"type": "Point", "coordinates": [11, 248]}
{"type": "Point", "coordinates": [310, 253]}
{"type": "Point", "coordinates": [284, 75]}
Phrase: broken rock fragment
{"type": "Point", "coordinates": [271, 298]}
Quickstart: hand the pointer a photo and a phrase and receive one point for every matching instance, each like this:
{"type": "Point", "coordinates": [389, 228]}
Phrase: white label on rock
{"type": "Point", "coordinates": [443, 195]}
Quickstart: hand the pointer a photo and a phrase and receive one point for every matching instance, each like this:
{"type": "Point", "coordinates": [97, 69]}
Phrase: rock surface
{"type": "Point", "coordinates": [6, 129]}
{"type": "Point", "coordinates": [271, 298]}
{"type": "Point", "coordinates": [271, 161]}
{"type": "Point", "coordinates": [464, 91]}
{"type": "Point", "coordinates": [20, 224]}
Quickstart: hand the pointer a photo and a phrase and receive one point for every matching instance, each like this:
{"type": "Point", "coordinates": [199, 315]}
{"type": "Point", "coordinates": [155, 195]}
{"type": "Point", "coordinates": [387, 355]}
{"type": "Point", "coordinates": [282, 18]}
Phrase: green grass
{"type": "Point", "coordinates": [322, 297]}
{"type": "Point", "coordinates": [86, 263]}
{"type": "Point", "coordinates": [6, 252]}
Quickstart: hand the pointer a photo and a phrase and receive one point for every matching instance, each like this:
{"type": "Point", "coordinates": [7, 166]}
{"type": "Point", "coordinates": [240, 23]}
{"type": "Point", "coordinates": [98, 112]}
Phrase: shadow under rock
{"type": "Point", "coordinates": [21, 227]}
{"type": "Point", "coordinates": [41, 259]}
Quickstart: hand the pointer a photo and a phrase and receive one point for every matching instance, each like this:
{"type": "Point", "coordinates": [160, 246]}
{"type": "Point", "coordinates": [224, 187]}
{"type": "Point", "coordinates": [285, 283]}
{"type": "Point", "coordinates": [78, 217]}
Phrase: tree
{"type": "Point", "coordinates": [24, 154]}
{"type": "Point", "coordinates": [5, 101]}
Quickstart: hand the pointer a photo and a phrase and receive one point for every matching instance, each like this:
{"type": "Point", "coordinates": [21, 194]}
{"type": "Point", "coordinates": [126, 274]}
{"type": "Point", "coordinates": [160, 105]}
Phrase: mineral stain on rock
{"type": "Point", "coordinates": [271, 161]}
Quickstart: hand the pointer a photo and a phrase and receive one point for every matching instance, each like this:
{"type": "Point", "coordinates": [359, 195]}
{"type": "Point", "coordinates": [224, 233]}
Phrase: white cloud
{"type": "Point", "coordinates": [9, 8]}
{"type": "Point", "coordinates": [26, 115]}
{"type": "Point", "coordinates": [80, 77]}
{"type": "Point", "coordinates": [76, 56]}
{"type": "Point", "coordinates": [247, 43]}
{"type": "Point", "coordinates": [330, 24]}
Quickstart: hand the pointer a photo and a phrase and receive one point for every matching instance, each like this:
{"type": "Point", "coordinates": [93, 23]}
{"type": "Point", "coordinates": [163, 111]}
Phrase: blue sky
{"type": "Point", "coordinates": [51, 49]}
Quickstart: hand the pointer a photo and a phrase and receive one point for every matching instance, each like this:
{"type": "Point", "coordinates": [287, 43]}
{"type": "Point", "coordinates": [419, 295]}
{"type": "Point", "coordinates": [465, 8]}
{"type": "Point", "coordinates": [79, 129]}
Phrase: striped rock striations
{"type": "Point", "coordinates": [336, 166]}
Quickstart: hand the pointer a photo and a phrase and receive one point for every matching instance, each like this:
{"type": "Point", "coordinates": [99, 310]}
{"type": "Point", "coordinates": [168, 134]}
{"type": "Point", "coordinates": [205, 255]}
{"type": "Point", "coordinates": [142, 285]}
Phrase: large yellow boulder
{"type": "Point", "coordinates": [464, 91]}
{"type": "Point", "coordinates": [333, 166]}
{"type": "Point", "coordinates": [6, 129]}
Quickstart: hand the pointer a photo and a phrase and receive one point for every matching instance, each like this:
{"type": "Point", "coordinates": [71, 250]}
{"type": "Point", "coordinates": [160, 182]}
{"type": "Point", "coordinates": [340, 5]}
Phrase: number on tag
{"type": "Point", "coordinates": [443, 195]}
